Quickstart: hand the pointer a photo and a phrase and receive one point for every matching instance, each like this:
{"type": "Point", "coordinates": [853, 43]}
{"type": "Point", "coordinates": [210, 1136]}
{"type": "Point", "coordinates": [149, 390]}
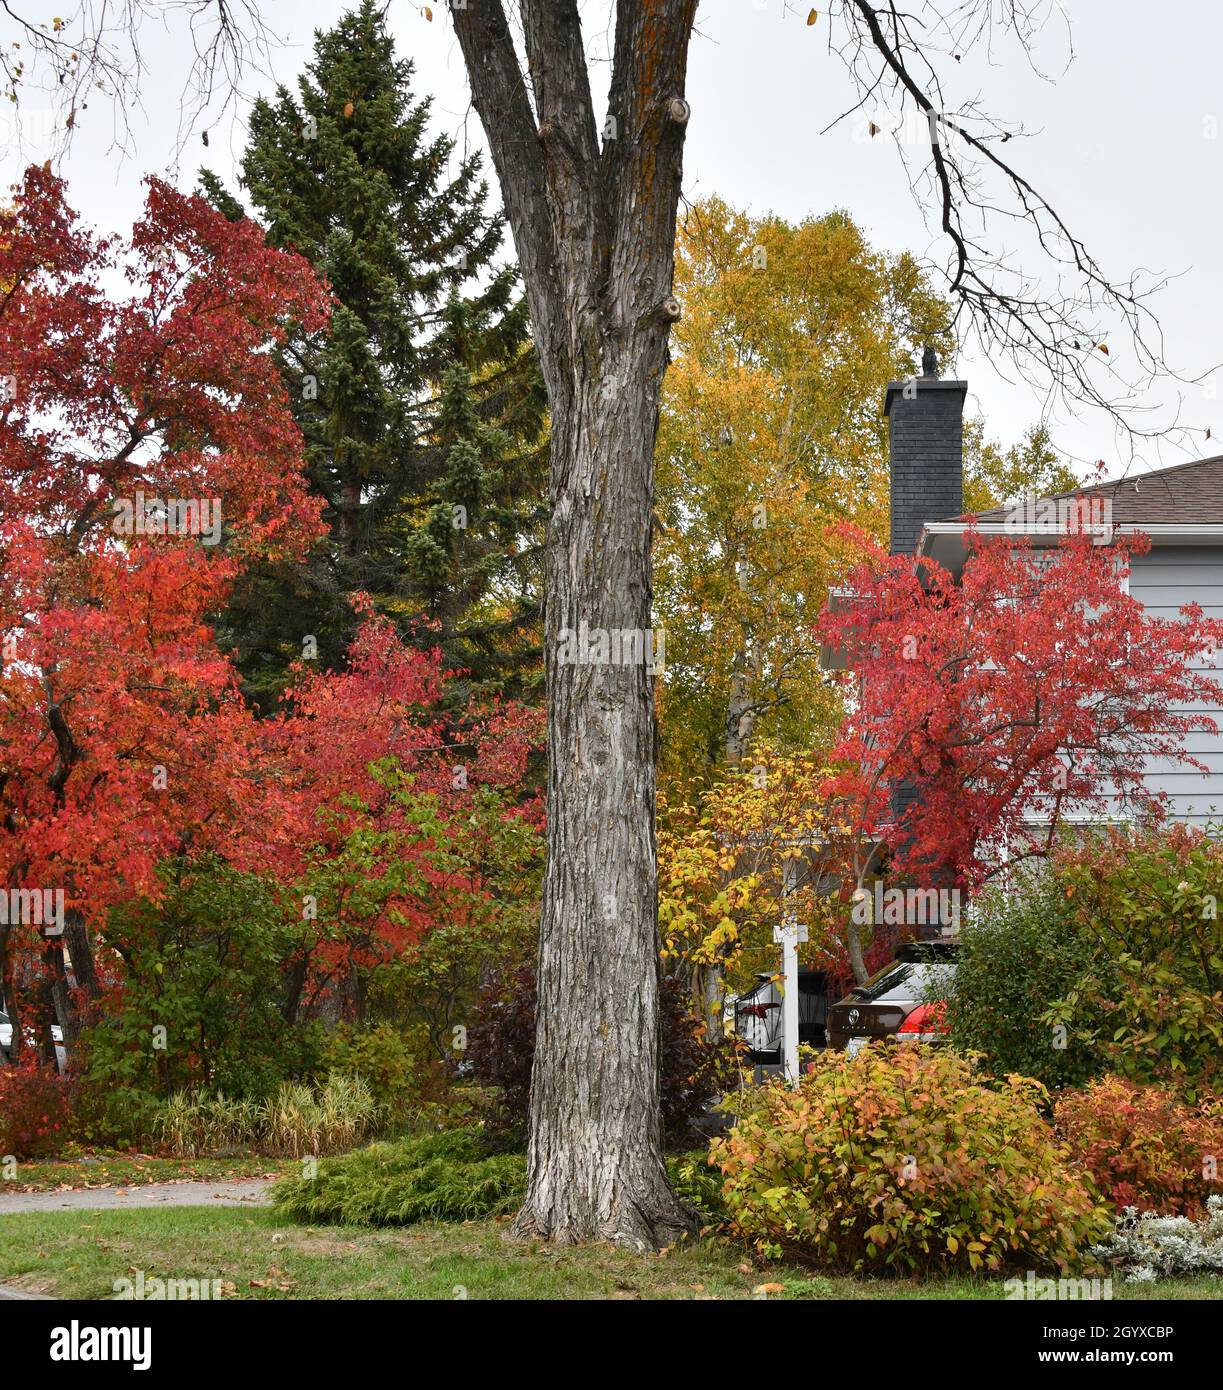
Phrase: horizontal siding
{"type": "Point", "coordinates": [1202, 745]}
{"type": "Point", "coordinates": [1211, 758]}
{"type": "Point", "coordinates": [1163, 581]}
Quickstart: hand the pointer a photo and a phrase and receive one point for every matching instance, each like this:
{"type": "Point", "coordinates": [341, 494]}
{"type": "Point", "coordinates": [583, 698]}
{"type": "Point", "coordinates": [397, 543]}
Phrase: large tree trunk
{"type": "Point", "coordinates": [596, 1166]}
{"type": "Point", "coordinates": [593, 219]}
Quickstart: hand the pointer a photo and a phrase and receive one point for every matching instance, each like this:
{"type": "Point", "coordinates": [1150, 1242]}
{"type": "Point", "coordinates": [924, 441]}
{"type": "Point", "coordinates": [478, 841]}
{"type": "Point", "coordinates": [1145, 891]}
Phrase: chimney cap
{"type": "Point", "coordinates": [914, 386]}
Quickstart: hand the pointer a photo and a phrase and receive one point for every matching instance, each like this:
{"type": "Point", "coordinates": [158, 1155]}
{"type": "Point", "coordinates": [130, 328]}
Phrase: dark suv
{"type": "Point", "coordinates": [903, 1000]}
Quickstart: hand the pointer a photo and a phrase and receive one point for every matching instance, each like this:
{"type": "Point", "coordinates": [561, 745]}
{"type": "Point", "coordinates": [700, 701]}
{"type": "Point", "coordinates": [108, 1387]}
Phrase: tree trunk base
{"type": "Point", "coordinates": [645, 1225]}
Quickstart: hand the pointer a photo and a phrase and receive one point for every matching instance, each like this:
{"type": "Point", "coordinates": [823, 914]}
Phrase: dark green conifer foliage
{"type": "Point", "coordinates": [421, 406]}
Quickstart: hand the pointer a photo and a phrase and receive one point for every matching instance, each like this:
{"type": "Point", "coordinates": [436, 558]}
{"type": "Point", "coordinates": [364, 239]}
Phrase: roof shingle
{"type": "Point", "coordinates": [1186, 492]}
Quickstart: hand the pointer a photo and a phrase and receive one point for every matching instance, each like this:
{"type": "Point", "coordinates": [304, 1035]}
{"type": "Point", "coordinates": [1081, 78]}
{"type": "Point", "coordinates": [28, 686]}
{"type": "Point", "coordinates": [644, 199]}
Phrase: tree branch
{"type": "Point", "coordinates": [500, 97]}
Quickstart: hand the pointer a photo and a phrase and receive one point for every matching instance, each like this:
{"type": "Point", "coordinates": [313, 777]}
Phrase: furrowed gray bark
{"type": "Point", "coordinates": [594, 227]}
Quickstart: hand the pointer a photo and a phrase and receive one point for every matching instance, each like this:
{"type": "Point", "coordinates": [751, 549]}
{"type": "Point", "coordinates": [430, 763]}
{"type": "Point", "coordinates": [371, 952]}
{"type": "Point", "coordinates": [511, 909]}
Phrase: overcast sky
{"type": "Point", "coordinates": [1126, 148]}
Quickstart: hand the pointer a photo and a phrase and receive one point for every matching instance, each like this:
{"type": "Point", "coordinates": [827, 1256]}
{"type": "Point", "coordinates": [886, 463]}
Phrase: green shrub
{"type": "Point", "coordinates": [447, 1177]}
{"type": "Point", "coordinates": [902, 1158]}
{"type": "Point", "coordinates": [699, 1183]}
{"type": "Point", "coordinates": [1017, 956]}
{"type": "Point", "coordinates": [205, 963]}
{"type": "Point", "coordinates": [115, 1117]}
{"type": "Point", "coordinates": [380, 1057]}
{"type": "Point", "coordinates": [465, 1106]}
{"type": "Point", "coordinates": [1142, 1145]}
{"type": "Point", "coordinates": [1150, 1003]}
{"type": "Point", "coordinates": [439, 1177]}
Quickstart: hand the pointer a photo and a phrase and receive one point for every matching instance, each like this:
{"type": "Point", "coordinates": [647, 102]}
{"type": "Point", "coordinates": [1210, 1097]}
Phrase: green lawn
{"type": "Point", "coordinates": [133, 1170]}
{"type": "Point", "coordinates": [81, 1254]}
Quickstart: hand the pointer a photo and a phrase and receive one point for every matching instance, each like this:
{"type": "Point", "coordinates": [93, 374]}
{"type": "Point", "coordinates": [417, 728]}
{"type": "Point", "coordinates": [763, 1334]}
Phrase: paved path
{"type": "Point", "coordinates": [250, 1192]}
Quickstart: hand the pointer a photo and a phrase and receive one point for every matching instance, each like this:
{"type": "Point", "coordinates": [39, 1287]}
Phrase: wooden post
{"type": "Point", "coordinates": [788, 935]}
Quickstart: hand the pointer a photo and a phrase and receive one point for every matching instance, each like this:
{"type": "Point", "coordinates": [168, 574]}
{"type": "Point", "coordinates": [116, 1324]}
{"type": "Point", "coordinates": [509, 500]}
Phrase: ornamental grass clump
{"type": "Point", "coordinates": [296, 1121]}
{"type": "Point", "coordinates": [906, 1159]}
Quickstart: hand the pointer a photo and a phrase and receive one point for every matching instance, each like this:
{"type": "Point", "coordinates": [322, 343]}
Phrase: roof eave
{"type": "Point", "coordinates": [943, 541]}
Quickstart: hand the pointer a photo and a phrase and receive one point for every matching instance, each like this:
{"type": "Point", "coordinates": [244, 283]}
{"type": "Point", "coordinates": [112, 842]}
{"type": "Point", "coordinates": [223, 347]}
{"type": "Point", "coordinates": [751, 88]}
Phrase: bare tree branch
{"type": "Point", "coordinates": [51, 70]}
{"type": "Point", "coordinates": [1054, 327]}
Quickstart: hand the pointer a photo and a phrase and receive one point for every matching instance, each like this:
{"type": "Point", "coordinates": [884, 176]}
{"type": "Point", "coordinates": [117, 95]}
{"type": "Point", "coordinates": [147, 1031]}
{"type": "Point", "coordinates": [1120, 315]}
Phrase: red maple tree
{"type": "Point", "coordinates": [147, 452]}
{"type": "Point", "coordinates": [370, 801]}
{"type": "Point", "coordinates": [127, 419]}
{"type": "Point", "coordinates": [1031, 689]}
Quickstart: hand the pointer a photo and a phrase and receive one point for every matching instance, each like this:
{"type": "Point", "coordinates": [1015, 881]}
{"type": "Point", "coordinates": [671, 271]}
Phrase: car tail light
{"type": "Point", "coordinates": [924, 1024]}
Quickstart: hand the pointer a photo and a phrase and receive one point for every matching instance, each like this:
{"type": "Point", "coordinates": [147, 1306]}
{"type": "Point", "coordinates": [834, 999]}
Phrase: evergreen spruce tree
{"type": "Point", "coordinates": [421, 406]}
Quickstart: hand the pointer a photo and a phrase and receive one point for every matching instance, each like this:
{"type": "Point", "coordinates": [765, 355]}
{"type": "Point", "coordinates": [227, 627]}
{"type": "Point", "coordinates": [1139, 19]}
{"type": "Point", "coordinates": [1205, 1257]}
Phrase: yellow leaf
{"type": "Point", "coordinates": [428, 14]}
{"type": "Point", "coordinates": [1103, 348]}
{"type": "Point", "coordinates": [348, 109]}
{"type": "Point", "coordinates": [812, 17]}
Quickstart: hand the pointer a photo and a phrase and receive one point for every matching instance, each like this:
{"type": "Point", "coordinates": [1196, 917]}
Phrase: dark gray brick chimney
{"type": "Point", "coordinates": [926, 449]}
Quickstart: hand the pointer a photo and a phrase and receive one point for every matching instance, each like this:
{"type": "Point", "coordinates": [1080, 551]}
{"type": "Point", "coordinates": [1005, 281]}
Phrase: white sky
{"type": "Point", "coordinates": [1124, 151]}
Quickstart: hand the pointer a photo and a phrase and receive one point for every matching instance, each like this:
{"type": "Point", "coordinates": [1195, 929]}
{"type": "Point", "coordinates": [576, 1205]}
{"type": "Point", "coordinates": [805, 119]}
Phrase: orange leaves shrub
{"type": "Point", "coordinates": [904, 1159]}
{"type": "Point", "coordinates": [1143, 1145]}
{"type": "Point", "coordinates": [35, 1110]}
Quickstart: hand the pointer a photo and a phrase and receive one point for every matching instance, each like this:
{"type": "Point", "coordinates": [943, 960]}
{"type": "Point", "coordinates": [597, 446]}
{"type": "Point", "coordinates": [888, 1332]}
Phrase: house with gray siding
{"type": "Point", "coordinates": [1179, 508]}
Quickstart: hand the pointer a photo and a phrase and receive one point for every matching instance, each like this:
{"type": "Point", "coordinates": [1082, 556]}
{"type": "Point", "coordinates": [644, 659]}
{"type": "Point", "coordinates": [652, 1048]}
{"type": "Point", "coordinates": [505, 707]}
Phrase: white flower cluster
{"type": "Point", "coordinates": [1149, 1246]}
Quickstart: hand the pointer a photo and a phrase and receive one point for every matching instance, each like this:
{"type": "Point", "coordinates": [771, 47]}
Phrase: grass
{"type": "Point", "coordinates": [134, 1170]}
{"type": "Point", "coordinates": [258, 1256]}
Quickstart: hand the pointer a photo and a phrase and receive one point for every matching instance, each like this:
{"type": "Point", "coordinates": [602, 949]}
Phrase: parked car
{"type": "Point", "coordinates": [57, 1037]}
{"type": "Point", "coordinates": [904, 1000]}
{"type": "Point", "coordinates": [757, 1015]}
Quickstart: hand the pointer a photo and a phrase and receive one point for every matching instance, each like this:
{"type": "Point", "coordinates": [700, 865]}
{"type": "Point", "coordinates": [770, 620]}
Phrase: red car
{"type": "Point", "coordinates": [905, 1000]}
